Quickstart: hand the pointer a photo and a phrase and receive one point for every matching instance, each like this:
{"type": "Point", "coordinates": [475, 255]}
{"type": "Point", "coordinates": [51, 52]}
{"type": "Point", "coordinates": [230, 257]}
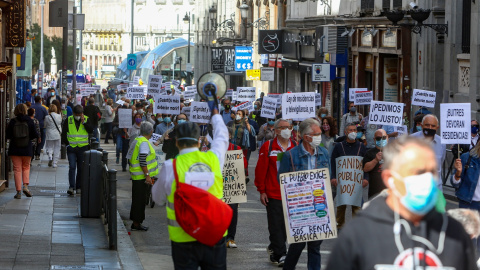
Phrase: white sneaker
{"type": "Point", "coordinates": [281, 261]}
{"type": "Point", "coordinates": [231, 244]}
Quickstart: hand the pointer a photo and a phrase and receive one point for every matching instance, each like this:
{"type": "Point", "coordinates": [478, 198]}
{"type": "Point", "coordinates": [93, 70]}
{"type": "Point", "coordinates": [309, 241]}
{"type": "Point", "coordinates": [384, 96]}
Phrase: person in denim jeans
{"type": "Point", "coordinates": [308, 155]}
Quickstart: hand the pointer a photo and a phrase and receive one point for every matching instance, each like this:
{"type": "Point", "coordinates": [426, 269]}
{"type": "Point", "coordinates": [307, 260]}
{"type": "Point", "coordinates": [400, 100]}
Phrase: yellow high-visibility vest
{"type": "Point", "coordinates": [77, 138]}
{"type": "Point", "coordinates": [152, 165]}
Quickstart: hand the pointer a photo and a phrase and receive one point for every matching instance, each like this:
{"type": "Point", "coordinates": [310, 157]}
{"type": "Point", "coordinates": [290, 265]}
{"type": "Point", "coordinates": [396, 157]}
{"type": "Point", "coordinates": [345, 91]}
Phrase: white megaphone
{"type": "Point", "coordinates": [211, 84]}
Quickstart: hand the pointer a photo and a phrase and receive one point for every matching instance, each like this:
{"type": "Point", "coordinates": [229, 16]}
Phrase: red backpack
{"type": "Point", "coordinates": [200, 214]}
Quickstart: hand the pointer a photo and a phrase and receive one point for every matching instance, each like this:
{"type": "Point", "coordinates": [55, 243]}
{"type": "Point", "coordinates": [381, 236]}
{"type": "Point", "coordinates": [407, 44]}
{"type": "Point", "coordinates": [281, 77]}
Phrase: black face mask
{"type": "Point", "coordinates": [227, 107]}
{"type": "Point", "coordinates": [428, 132]}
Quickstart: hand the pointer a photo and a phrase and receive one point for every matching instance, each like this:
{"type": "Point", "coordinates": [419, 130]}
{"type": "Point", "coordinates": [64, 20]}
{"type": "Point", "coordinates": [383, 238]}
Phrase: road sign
{"type": "Point", "coordinates": [131, 61]}
{"type": "Point", "coordinates": [243, 58]}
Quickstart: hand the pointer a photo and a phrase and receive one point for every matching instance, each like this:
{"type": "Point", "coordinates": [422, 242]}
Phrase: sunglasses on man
{"type": "Point", "coordinates": [380, 138]}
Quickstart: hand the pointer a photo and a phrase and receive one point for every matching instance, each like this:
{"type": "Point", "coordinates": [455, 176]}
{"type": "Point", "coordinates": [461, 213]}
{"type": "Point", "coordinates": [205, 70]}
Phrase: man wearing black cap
{"type": "Point", "coordinates": [191, 165]}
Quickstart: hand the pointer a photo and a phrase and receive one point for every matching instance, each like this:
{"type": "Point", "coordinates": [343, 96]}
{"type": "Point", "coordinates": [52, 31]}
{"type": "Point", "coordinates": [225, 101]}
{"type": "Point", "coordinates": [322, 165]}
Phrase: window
{"type": "Point", "coordinates": [466, 19]}
{"type": "Point", "coordinates": [386, 4]}
{"type": "Point", "coordinates": [367, 4]}
{"type": "Point", "coordinates": [397, 4]}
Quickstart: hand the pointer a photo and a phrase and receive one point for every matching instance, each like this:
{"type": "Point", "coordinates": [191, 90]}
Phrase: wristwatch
{"type": "Point", "coordinates": [147, 174]}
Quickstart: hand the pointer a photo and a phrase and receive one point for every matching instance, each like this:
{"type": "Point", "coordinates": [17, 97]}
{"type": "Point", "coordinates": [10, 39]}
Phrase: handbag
{"type": "Point", "coordinates": [200, 214]}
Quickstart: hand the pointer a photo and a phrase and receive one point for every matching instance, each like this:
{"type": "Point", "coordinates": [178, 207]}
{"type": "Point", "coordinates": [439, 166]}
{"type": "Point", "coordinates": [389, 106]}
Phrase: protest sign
{"type": "Point", "coordinates": [298, 105]}
{"type": "Point", "coordinates": [269, 107]}
{"type": "Point", "coordinates": [85, 92]}
{"type": "Point", "coordinates": [154, 84]}
{"type": "Point", "coordinates": [403, 130]}
{"type": "Point", "coordinates": [120, 102]}
{"type": "Point", "coordinates": [78, 99]}
{"type": "Point", "coordinates": [352, 92]}
{"type": "Point", "coordinates": [386, 113]}
{"type": "Point", "coordinates": [234, 96]}
{"type": "Point", "coordinates": [167, 104]}
{"type": "Point", "coordinates": [122, 87]}
{"type": "Point", "coordinates": [167, 86]}
{"type": "Point", "coordinates": [97, 87]}
{"type": "Point", "coordinates": [124, 118]}
{"type": "Point", "coordinates": [318, 99]}
{"type": "Point", "coordinates": [349, 180]}
{"type": "Point", "coordinates": [136, 92]}
{"type": "Point", "coordinates": [189, 94]}
{"type": "Point", "coordinates": [186, 111]}
{"type": "Point", "coordinates": [159, 155]}
{"type": "Point", "coordinates": [155, 137]}
{"type": "Point", "coordinates": [277, 96]}
{"type": "Point", "coordinates": [136, 80]}
{"type": "Point", "coordinates": [200, 113]}
{"type": "Point", "coordinates": [455, 123]}
{"type": "Point", "coordinates": [229, 94]}
{"type": "Point", "coordinates": [247, 105]}
{"type": "Point", "coordinates": [363, 98]}
{"type": "Point", "coordinates": [234, 187]}
{"type": "Point", "coordinates": [246, 93]}
{"type": "Point", "coordinates": [308, 207]}
{"type": "Point", "coordinates": [191, 88]}
{"type": "Point", "coordinates": [424, 98]}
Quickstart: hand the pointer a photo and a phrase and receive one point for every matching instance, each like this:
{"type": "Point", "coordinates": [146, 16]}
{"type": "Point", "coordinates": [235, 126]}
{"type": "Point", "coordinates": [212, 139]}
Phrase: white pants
{"type": "Point", "coordinates": [53, 149]}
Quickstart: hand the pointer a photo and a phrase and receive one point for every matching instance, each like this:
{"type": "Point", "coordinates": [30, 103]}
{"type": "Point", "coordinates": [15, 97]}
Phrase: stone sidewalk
{"type": "Point", "coordinates": [47, 232]}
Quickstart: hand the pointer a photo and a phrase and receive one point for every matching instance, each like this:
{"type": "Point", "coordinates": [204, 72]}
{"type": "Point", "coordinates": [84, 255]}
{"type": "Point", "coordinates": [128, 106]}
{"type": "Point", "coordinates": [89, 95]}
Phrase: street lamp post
{"type": "Point", "coordinates": [41, 66]}
{"type": "Point", "coordinates": [186, 19]}
{"type": "Point", "coordinates": [244, 14]}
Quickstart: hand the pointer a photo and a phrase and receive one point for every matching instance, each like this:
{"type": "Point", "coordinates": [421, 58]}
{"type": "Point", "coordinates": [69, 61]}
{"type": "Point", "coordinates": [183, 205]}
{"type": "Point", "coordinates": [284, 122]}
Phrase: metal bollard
{"type": "Point", "coordinates": [112, 209]}
{"type": "Point", "coordinates": [63, 152]}
{"type": "Point", "coordinates": [104, 156]}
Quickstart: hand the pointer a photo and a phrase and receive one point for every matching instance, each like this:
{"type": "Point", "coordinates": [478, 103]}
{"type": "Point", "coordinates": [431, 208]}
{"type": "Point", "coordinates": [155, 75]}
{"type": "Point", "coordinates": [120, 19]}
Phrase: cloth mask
{"type": "Point", "coordinates": [271, 123]}
{"type": "Point", "coordinates": [359, 135]}
{"type": "Point", "coordinates": [286, 133]}
{"type": "Point", "coordinates": [167, 120]}
{"type": "Point", "coordinates": [181, 121]}
{"type": "Point", "coordinates": [382, 143]}
{"type": "Point", "coordinates": [422, 193]}
{"type": "Point", "coordinates": [352, 136]}
{"type": "Point", "coordinates": [323, 115]}
{"type": "Point", "coordinates": [227, 107]}
{"type": "Point", "coordinates": [474, 129]}
{"type": "Point", "coordinates": [419, 128]}
{"type": "Point", "coordinates": [326, 127]}
{"type": "Point", "coordinates": [353, 109]}
{"type": "Point", "coordinates": [77, 118]}
{"type": "Point", "coordinates": [238, 117]}
{"type": "Point", "coordinates": [160, 119]}
{"type": "Point", "coordinates": [316, 141]}
{"type": "Point", "coordinates": [138, 120]}
{"type": "Point", "coordinates": [52, 94]}
{"type": "Point", "coordinates": [428, 132]}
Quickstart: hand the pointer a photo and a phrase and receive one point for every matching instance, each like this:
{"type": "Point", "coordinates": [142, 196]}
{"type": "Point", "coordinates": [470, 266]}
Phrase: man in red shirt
{"type": "Point", "coordinates": [269, 188]}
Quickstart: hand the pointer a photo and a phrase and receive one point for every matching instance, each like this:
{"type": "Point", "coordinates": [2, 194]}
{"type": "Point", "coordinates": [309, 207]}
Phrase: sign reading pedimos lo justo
{"type": "Point", "coordinates": [386, 113]}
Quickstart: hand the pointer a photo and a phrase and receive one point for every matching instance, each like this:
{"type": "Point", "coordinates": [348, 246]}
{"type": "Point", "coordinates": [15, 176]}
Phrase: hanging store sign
{"type": "Point", "coordinates": [16, 31]}
{"type": "Point", "coordinates": [217, 60]}
{"type": "Point", "coordinates": [270, 41]}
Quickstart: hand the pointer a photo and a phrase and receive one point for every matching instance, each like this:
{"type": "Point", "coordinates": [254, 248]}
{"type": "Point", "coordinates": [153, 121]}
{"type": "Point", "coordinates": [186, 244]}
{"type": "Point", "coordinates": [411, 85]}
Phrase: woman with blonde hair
{"type": "Point", "coordinates": [53, 131]}
{"type": "Point", "coordinates": [20, 132]}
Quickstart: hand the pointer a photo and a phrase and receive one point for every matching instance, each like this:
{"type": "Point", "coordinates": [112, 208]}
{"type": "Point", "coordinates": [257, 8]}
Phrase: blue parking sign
{"type": "Point", "coordinates": [243, 58]}
{"type": "Point", "coordinates": [131, 61]}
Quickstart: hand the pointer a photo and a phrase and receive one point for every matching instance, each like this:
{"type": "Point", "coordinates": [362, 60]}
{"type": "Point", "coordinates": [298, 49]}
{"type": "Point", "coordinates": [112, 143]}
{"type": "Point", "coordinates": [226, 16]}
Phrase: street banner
{"type": "Point", "coordinates": [155, 137]}
{"type": "Point", "coordinates": [308, 207]}
{"type": "Point", "coordinates": [267, 74]}
{"type": "Point", "coordinates": [424, 98]}
{"type": "Point", "coordinates": [234, 187]}
{"type": "Point", "coordinates": [200, 113]}
{"type": "Point", "coordinates": [154, 84]}
{"type": "Point", "coordinates": [246, 93]}
{"type": "Point", "coordinates": [349, 180]}
{"type": "Point", "coordinates": [386, 113]}
{"type": "Point", "coordinates": [352, 92]}
{"type": "Point", "coordinates": [363, 98]}
{"type": "Point", "coordinates": [318, 100]}
{"type": "Point", "coordinates": [403, 130]}
{"type": "Point", "coordinates": [252, 74]}
{"type": "Point", "coordinates": [247, 105]}
{"type": "Point", "coordinates": [269, 107]}
{"type": "Point", "coordinates": [298, 105]}
{"type": "Point", "coordinates": [186, 111]}
{"type": "Point", "coordinates": [166, 104]}
{"type": "Point", "coordinates": [136, 92]}
{"type": "Point", "coordinates": [189, 94]}
{"type": "Point", "coordinates": [124, 118]}
{"type": "Point", "coordinates": [455, 123]}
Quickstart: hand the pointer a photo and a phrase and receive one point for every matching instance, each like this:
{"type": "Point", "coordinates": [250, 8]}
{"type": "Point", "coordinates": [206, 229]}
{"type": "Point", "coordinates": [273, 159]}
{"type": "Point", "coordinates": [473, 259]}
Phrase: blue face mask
{"type": "Point", "coordinates": [359, 134]}
{"type": "Point", "coordinates": [52, 94]}
{"type": "Point", "coordinates": [181, 121]}
{"type": "Point", "coordinates": [271, 123]}
{"type": "Point", "coordinates": [381, 143]}
{"type": "Point", "coordinates": [474, 129]}
{"type": "Point", "coordinates": [323, 115]}
{"type": "Point", "coordinates": [160, 119]}
{"type": "Point", "coordinates": [295, 127]}
{"type": "Point", "coordinates": [421, 193]}
{"type": "Point", "coordinates": [419, 128]}
{"type": "Point", "coordinates": [167, 120]}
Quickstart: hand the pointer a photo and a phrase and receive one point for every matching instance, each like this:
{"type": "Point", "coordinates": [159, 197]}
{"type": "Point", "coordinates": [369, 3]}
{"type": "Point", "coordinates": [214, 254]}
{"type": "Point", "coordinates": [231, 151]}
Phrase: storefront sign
{"type": "Point", "coordinates": [270, 41]}
{"type": "Point", "coordinates": [267, 74]}
{"type": "Point", "coordinates": [243, 58]}
{"type": "Point", "coordinates": [252, 75]}
{"type": "Point", "coordinates": [229, 61]}
{"type": "Point", "coordinates": [16, 32]}
{"type": "Point", "coordinates": [320, 72]}
{"type": "Point", "coordinates": [217, 60]}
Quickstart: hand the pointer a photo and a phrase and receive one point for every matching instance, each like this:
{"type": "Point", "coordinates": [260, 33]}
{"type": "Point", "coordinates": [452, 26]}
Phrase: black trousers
{"type": "Point", "coordinates": [137, 210]}
{"type": "Point", "coordinates": [276, 228]}
{"type": "Point", "coordinates": [232, 229]}
{"type": "Point", "coordinates": [191, 255]}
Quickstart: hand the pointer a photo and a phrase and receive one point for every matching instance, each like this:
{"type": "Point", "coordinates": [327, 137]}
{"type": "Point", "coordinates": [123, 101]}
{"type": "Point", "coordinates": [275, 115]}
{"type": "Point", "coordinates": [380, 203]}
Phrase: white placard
{"type": "Point", "coordinates": [176, 83]}
{"type": "Point", "coordinates": [349, 179]}
{"type": "Point", "coordinates": [298, 105]}
{"type": "Point", "coordinates": [186, 111]}
{"type": "Point", "coordinates": [247, 105]}
{"type": "Point", "coordinates": [277, 96]}
{"type": "Point", "coordinates": [267, 74]}
{"type": "Point", "coordinates": [124, 118]}
{"type": "Point", "coordinates": [424, 98]}
{"type": "Point", "coordinates": [155, 137]}
{"type": "Point", "coordinates": [318, 99]}
{"type": "Point", "coordinates": [352, 92]}
{"type": "Point", "coordinates": [121, 102]}
{"type": "Point", "coordinates": [154, 84]}
{"type": "Point", "coordinates": [386, 113]}
{"type": "Point", "coordinates": [246, 94]}
{"type": "Point", "coordinates": [122, 87]}
{"type": "Point", "coordinates": [269, 107]}
{"type": "Point", "coordinates": [166, 104]}
{"type": "Point", "coordinates": [363, 98]}
{"type": "Point", "coordinates": [401, 130]}
{"type": "Point", "coordinates": [234, 187]}
{"type": "Point", "coordinates": [136, 92]}
{"type": "Point", "coordinates": [191, 88]}
{"type": "Point", "coordinates": [189, 94]}
{"type": "Point", "coordinates": [136, 80]}
{"type": "Point", "coordinates": [200, 113]}
{"type": "Point", "coordinates": [97, 87]}
{"type": "Point", "coordinates": [167, 86]}
{"type": "Point", "coordinates": [455, 123]}
{"type": "Point", "coordinates": [229, 94]}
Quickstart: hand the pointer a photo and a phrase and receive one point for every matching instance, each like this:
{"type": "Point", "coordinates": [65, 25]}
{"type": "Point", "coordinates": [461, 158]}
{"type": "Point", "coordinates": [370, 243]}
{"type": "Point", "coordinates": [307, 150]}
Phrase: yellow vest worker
{"type": "Point", "coordinates": [192, 166]}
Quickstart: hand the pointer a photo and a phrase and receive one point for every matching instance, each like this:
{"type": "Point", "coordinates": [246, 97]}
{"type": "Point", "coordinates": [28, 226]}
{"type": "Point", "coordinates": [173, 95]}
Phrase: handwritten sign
{"type": "Point", "coordinates": [167, 86]}
{"type": "Point", "coordinates": [424, 98]}
{"type": "Point", "coordinates": [401, 130]}
{"type": "Point", "coordinates": [349, 179]}
{"type": "Point", "coordinates": [269, 107]}
{"type": "Point", "coordinates": [363, 98]}
{"type": "Point", "coordinates": [200, 113]}
{"type": "Point", "coordinates": [386, 113]}
{"type": "Point", "coordinates": [234, 187]}
{"type": "Point", "coordinates": [247, 105]}
{"type": "Point", "coordinates": [455, 123]}
{"type": "Point", "coordinates": [154, 84]}
{"type": "Point", "coordinates": [277, 96]}
{"type": "Point", "coordinates": [167, 104]}
{"type": "Point", "coordinates": [298, 105]}
{"type": "Point", "coordinates": [124, 118]}
{"type": "Point", "coordinates": [136, 92]}
{"type": "Point", "coordinates": [121, 87]}
{"type": "Point", "coordinates": [155, 137]}
{"type": "Point", "coordinates": [246, 93]}
{"type": "Point", "coordinates": [308, 206]}
{"type": "Point", "coordinates": [352, 92]}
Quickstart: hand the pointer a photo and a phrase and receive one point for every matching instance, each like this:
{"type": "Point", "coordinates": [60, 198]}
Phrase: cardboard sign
{"type": "Point", "coordinates": [154, 84]}
{"type": "Point", "coordinates": [269, 107]}
{"type": "Point", "coordinates": [136, 92]}
{"type": "Point", "coordinates": [349, 180]}
{"type": "Point", "coordinates": [386, 113]}
{"type": "Point", "coordinates": [318, 100]}
{"type": "Point", "coordinates": [234, 187]}
{"type": "Point", "coordinates": [401, 130]}
{"type": "Point", "coordinates": [277, 96]}
{"type": "Point", "coordinates": [455, 123]}
{"type": "Point", "coordinates": [363, 98]}
{"type": "Point", "coordinates": [298, 105]}
{"type": "Point", "coordinates": [124, 118]}
{"type": "Point", "coordinates": [424, 98]}
{"type": "Point", "coordinates": [244, 106]}
{"type": "Point", "coordinates": [155, 137]}
{"type": "Point", "coordinates": [352, 92]}
{"type": "Point", "coordinates": [246, 94]}
{"type": "Point", "coordinates": [200, 113]}
{"type": "Point", "coordinates": [189, 94]}
{"type": "Point", "coordinates": [167, 104]}
{"type": "Point", "coordinates": [308, 206]}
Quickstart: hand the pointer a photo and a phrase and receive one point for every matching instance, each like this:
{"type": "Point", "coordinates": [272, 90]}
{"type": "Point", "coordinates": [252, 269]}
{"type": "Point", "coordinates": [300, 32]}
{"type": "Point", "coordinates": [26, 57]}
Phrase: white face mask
{"type": "Point", "coordinates": [352, 136]}
{"type": "Point", "coordinates": [77, 118]}
{"type": "Point", "coordinates": [316, 141]}
{"type": "Point", "coordinates": [286, 133]}
{"type": "Point", "coordinates": [238, 117]}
